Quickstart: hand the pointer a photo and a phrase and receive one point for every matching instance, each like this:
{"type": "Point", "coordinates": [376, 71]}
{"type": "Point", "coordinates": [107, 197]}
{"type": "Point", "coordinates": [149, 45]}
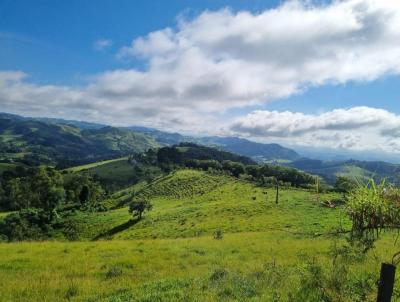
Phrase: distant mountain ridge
{"type": "Point", "coordinates": [35, 142]}
{"type": "Point", "coordinates": [69, 142]}
{"type": "Point", "coordinates": [356, 169]}
{"type": "Point", "coordinates": [241, 146]}
{"type": "Point", "coordinates": [48, 120]}
{"type": "Point", "coordinates": [251, 149]}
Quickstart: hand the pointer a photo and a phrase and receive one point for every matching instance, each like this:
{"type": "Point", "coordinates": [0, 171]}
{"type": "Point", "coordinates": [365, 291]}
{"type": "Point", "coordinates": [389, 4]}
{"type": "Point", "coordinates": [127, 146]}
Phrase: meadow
{"type": "Point", "coordinates": [209, 237]}
{"type": "Point", "coordinates": [95, 164]}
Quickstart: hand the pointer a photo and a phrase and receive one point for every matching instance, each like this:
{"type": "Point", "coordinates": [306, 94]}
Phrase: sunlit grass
{"type": "Point", "coordinates": [46, 271]}
{"type": "Point", "coordinates": [93, 165]}
{"type": "Point", "coordinates": [171, 255]}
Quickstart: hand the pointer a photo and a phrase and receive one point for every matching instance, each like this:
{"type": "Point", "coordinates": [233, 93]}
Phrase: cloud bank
{"type": "Point", "coordinates": [222, 60]}
{"type": "Point", "coordinates": [357, 128]}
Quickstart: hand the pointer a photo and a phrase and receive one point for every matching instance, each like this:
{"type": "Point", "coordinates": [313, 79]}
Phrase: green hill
{"type": "Point", "coordinates": [36, 142]}
{"type": "Point", "coordinates": [209, 237]}
{"type": "Point", "coordinates": [259, 151]}
{"type": "Point", "coordinates": [355, 169]}
{"type": "Point", "coordinates": [118, 173]}
{"type": "Point", "coordinates": [190, 151]}
{"type": "Point", "coordinates": [190, 203]}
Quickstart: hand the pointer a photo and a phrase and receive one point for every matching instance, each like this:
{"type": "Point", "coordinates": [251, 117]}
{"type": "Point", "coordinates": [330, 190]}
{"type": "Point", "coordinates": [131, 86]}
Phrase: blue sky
{"type": "Point", "coordinates": [295, 72]}
{"type": "Point", "coordinates": [53, 40]}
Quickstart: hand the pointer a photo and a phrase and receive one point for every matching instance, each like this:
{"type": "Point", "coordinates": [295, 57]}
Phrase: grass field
{"type": "Point", "coordinates": [94, 165]}
{"type": "Point", "coordinates": [192, 203]}
{"type": "Point", "coordinates": [114, 174]}
{"type": "Point", "coordinates": [265, 251]}
{"type": "Point", "coordinates": [256, 266]}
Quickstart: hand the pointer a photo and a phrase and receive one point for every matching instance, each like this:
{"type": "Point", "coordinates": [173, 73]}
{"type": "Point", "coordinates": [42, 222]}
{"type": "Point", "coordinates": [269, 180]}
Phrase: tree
{"type": "Point", "coordinates": [138, 206]}
{"type": "Point", "coordinates": [81, 188]}
{"type": "Point", "coordinates": [47, 186]}
{"type": "Point", "coordinates": [84, 194]}
{"type": "Point", "coordinates": [233, 167]}
{"type": "Point", "coordinates": [344, 185]}
{"type": "Point", "coordinates": [253, 170]}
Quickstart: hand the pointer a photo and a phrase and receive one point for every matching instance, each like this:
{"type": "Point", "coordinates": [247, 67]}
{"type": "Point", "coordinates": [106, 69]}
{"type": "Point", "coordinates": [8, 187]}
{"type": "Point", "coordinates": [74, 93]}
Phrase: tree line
{"type": "Point", "coordinates": [38, 195]}
{"type": "Point", "coordinates": [190, 155]}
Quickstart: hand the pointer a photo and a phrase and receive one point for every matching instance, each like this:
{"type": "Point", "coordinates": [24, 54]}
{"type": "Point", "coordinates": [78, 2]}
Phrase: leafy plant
{"type": "Point", "coordinates": [373, 207]}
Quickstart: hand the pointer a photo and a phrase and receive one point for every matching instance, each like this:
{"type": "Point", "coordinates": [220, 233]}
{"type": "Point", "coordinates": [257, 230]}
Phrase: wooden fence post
{"type": "Point", "coordinates": [386, 283]}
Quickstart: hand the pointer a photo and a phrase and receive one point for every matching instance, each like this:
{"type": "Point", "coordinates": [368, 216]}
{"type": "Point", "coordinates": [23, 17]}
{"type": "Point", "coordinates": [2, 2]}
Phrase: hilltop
{"type": "Point", "coordinates": [37, 142]}
{"type": "Point", "coordinates": [68, 142]}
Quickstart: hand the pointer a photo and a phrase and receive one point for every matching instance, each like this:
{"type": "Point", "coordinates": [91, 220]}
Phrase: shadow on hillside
{"type": "Point", "coordinates": [117, 229]}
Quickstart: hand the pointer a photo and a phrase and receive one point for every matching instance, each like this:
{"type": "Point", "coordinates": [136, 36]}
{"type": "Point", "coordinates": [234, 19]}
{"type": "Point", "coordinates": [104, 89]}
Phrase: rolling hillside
{"type": "Point", "coordinates": [173, 254]}
{"type": "Point", "coordinates": [35, 142]}
{"type": "Point", "coordinates": [358, 170]}
{"type": "Point", "coordinates": [259, 151]}
{"type": "Point", "coordinates": [189, 203]}
{"type": "Point", "coordinates": [68, 143]}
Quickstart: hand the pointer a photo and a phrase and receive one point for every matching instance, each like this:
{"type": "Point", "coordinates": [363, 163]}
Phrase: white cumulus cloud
{"type": "Point", "coordinates": [224, 59]}
{"type": "Point", "coordinates": [357, 128]}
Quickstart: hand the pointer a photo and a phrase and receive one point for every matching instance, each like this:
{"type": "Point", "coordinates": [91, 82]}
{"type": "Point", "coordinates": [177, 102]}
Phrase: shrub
{"type": "Point", "coordinates": [219, 274]}
{"type": "Point", "coordinates": [218, 235]}
{"type": "Point", "coordinates": [72, 291]}
{"type": "Point", "coordinates": [114, 272]}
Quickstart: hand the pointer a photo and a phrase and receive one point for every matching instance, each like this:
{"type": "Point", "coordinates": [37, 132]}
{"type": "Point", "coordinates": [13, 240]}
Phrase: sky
{"type": "Point", "coordinates": [308, 73]}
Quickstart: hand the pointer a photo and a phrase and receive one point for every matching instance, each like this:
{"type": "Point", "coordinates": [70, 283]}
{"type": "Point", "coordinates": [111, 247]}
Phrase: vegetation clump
{"type": "Point", "coordinates": [372, 208]}
{"type": "Point", "coordinates": [138, 206]}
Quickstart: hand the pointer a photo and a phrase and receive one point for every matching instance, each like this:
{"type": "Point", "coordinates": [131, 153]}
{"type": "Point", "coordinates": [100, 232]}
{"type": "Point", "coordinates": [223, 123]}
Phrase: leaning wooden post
{"type": "Point", "coordinates": [386, 283]}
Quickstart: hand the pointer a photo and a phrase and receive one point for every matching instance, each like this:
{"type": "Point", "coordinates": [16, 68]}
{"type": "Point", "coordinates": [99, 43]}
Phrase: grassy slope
{"type": "Point", "coordinates": [66, 144]}
{"type": "Point", "coordinates": [262, 241]}
{"type": "Point", "coordinates": [113, 174]}
{"type": "Point", "coordinates": [94, 165]}
{"type": "Point", "coordinates": [192, 203]}
{"type": "Point", "coordinates": [162, 270]}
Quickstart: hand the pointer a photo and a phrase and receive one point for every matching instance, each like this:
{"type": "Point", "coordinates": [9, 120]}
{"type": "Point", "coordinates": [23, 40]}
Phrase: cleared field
{"type": "Point", "coordinates": [96, 164]}
{"type": "Point", "coordinates": [240, 267]}
{"type": "Point", "coordinates": [263, 251]}
{"type": "Point", "coordinates": [192, 203]}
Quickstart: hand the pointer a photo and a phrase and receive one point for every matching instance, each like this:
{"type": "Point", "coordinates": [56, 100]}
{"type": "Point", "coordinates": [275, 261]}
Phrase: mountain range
{"type": "Point", "coordinates": [65, 143]}
{"type": "Point", "coordinates": [71, 141]}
